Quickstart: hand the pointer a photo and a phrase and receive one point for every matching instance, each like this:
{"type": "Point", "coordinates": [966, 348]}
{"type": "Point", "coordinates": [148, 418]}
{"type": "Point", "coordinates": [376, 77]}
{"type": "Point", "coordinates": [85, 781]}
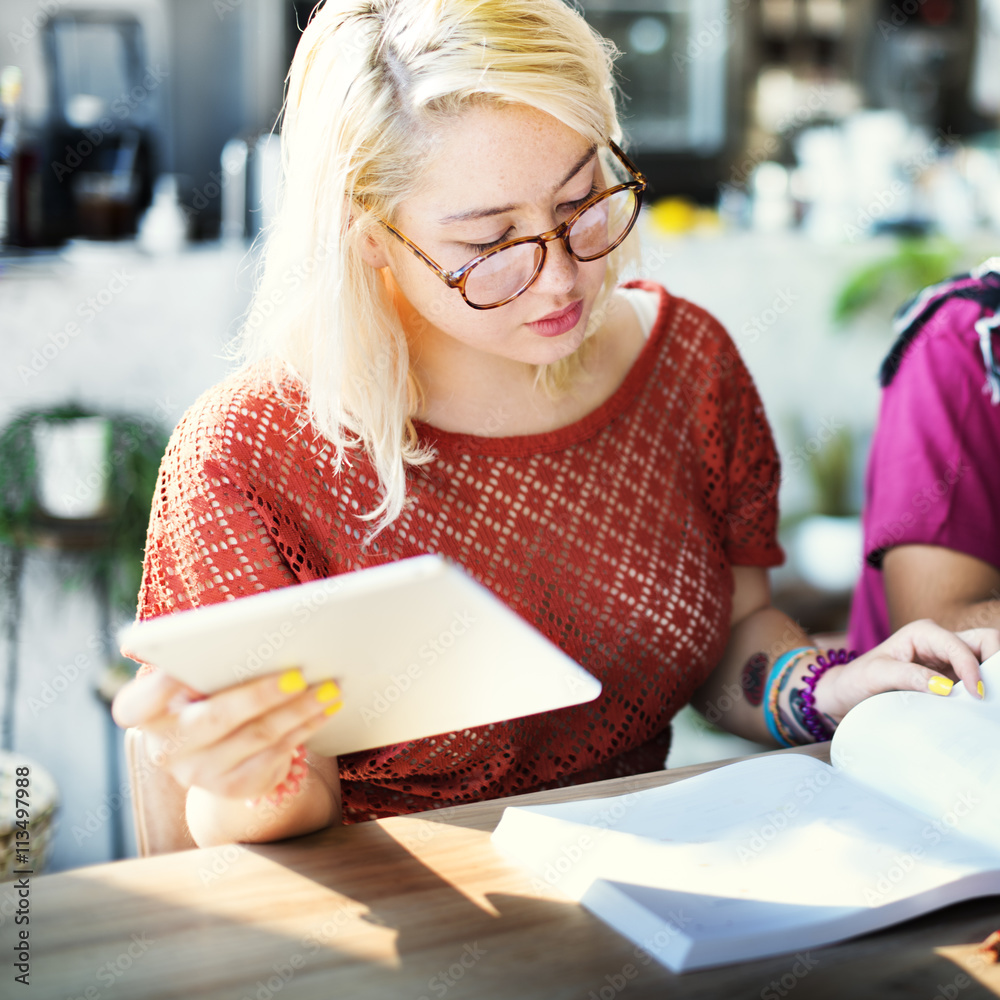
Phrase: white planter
{"type": "Point", "coordinates": [73, 466]}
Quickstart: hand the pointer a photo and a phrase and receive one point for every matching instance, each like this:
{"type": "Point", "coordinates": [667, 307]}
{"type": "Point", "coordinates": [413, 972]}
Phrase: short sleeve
{"type": "Point", "coordinates": [754, 479]}
{"type": "Point", "coordinates": [741, 468]}
{"type": "Point", "coordinates": [933, 475]}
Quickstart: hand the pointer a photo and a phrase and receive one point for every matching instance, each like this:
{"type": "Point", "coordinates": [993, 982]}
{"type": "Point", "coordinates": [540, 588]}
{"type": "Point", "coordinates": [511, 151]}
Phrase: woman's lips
{"type": "Point", "coordinates": [558, 322]}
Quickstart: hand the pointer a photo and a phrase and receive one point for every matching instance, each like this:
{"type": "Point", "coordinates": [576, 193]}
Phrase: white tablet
{"type": "Point", "coordinates": [418, 648]}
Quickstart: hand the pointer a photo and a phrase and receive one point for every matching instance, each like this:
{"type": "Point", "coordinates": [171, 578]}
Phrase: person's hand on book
{"type": "Point", "coordinates": [236, 743]}
{"type": "Point", "coordinates": [921, 656]}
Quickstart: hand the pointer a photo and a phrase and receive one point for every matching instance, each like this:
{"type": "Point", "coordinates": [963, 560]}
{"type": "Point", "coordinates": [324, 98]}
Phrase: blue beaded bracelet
{"type": "Point", "coordinates": [771, 692]}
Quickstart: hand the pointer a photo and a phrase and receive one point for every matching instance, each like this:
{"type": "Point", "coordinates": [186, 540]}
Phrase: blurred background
{"type": "Point", "coordinates": [812, 163]}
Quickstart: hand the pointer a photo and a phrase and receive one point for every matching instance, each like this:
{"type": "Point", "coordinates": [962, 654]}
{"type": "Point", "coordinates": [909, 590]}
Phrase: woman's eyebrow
{"type": "Point", "coordinates": [482, 213]}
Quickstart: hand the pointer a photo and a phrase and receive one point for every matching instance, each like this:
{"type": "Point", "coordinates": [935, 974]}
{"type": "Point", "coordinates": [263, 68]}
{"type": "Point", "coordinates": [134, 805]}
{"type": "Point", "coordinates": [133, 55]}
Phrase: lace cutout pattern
{"type": "Point", "coordinates": [614, 536]}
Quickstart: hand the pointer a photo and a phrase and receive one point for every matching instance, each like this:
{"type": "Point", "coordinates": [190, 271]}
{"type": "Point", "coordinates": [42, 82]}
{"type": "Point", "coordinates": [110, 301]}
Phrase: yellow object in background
{"type": "Point", "coordinates": [674, 216]}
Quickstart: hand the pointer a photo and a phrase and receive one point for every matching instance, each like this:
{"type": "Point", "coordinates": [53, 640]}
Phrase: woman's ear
{"type": "Point", "coordinates": [373, 251]}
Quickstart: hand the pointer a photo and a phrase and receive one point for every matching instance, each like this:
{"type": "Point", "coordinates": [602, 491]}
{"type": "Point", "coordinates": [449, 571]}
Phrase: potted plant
{"type": "Point", "coordinates": [82, 481]}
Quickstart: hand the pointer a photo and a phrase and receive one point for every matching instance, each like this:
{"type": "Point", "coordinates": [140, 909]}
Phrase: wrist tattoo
{"type": "Point", "coordinates": [789, 693]}
{"type": "Point", "coordinates": [791, 710]}
{"type": "Point", "coordinates": [754, 677]}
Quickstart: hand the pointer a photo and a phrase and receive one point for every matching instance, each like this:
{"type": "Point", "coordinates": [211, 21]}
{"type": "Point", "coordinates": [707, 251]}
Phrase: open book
{"type": "Point", "coordinates": [783, 853]}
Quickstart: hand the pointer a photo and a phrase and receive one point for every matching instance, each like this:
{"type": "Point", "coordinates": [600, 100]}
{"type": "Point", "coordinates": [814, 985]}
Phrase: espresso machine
{"type": "Point", "coordinates": [88, 169]}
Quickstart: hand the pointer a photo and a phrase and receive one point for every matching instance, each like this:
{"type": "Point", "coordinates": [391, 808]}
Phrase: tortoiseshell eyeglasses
{"type": "Point", "coordinates": [503, 272]}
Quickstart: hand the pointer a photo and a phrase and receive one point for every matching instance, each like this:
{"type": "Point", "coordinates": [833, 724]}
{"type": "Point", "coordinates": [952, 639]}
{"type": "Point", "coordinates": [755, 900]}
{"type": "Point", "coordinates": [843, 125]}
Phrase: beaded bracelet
{"type": "Point", "coordinates": [782, 665]}
{"type": "Point", "coordinates": [291, 785]}
{"type": "Point", "coordinates": [810, 716]}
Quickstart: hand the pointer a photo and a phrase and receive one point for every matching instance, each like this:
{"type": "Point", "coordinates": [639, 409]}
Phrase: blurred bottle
{"type": "Point", "coordinates": [10, 99]}
{"type": "Point", "coordinates": [235, 155]}
{"type": "Point", "coordinates": [164, 228]}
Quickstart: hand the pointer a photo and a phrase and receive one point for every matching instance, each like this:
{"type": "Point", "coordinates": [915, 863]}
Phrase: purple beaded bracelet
{"type": "Point", "coordinates": [812, 718]}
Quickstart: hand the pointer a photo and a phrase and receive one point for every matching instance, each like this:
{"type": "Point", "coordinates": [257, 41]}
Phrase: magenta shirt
{"type": "Point", "coordinates": [934, 467]}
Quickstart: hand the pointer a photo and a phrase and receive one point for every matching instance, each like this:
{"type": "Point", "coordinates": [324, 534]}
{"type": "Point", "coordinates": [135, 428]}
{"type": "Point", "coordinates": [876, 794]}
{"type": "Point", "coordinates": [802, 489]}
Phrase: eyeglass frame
{"type": "Point", "coordinates": [458, 278]}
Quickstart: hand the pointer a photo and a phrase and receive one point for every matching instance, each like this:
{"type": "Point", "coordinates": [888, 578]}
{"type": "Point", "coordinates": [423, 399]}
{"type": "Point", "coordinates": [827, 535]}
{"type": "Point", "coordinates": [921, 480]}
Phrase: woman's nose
{"type": "Point", "coordinates": [559, 271]}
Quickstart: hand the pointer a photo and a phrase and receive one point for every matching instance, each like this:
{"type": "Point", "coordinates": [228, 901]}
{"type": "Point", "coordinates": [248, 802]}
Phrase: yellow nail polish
{"type": "Point", "coordinates": [327, 691]}
{"type": "Point", "coordinates": [979, 688]}
{"type": "Point", "coordinates": [940, 685]}
{"type": "Point", "coordinates": [333, 709]}
{"type": "Point", "coordinates": [292, 681]}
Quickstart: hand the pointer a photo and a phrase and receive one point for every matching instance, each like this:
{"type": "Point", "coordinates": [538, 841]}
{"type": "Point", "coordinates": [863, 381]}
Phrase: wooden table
{"type": "Point", "coordinates": [422, 907]}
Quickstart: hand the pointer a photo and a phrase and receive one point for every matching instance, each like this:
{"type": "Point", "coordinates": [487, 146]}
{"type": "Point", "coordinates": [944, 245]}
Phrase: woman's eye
{"type": "Point", "coordinates": [480, 248]}
{"type": "Point", "coordinates": [567, 208]}
{"type": "Point", "coordinates": [574, 205]}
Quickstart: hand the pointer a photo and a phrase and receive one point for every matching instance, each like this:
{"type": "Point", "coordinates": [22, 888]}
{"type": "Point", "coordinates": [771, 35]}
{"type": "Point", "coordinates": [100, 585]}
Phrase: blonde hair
{"type": "Point", "coordinates": [371, 84]}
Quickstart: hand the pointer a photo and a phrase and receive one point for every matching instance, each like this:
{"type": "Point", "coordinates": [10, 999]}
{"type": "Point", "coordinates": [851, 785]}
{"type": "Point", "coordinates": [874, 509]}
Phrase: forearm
{"type": "Point", "coordinates": [978, 614]}
{"type": "Point", "coordinates": [735, 694]}
{"type": "Point", "coordinates": [954, 589]}
{"type": "Point", "coordinates": [215, 820]}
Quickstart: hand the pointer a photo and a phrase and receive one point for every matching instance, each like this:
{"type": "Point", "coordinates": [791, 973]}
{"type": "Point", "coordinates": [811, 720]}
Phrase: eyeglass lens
{"type": "Point", "coordinates": [508, 272]}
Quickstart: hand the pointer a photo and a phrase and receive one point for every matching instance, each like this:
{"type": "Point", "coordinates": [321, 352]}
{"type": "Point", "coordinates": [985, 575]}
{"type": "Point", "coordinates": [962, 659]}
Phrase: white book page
{"type": "Point", "coordinates": [785, 830]}
{"type": "Point", "coordinates": [756, 858]}
{"type": "Point", "coordinates": [938, 755]}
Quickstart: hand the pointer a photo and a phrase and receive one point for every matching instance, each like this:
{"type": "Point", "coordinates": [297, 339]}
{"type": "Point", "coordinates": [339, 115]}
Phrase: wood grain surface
{"type": "Point", "coordinates": [423, 907]}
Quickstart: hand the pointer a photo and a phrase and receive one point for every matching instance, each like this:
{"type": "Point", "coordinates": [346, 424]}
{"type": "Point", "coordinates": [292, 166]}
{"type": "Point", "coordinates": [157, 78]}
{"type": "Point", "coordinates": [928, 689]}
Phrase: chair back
{"type": "Point", "coordinates": [158, 802]}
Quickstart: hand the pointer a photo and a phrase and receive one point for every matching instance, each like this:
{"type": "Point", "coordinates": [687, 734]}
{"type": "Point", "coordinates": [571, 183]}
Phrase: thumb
{"type": "Point", "coordinates": [144, 698]}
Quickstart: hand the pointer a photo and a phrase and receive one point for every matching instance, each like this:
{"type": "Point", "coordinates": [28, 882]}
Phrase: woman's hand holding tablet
{"type": "Point", "coordinates": [234, 745]}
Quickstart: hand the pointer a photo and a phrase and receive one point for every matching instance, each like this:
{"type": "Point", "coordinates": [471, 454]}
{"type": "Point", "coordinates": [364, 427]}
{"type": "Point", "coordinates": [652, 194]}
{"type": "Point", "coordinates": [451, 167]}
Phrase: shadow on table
{"type": "Point", "coordinates": [355, 912]}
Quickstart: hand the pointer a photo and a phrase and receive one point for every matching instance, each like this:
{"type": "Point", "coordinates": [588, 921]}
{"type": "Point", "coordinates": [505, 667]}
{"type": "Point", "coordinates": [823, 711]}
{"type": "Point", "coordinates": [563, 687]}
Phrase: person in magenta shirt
{"type": "Point", "coordinates": [932, 494]}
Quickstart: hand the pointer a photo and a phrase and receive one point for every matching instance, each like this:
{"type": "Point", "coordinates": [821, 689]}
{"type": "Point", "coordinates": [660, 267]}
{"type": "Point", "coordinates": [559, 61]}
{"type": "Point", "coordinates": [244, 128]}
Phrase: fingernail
{"type": "Point", "coordinates": [178, 703]}
{"type": "Point", "coordinates": [333, 709]}
{"type": "Point", "coordinates": [292, 681]}
{"type": "Point", "coordinates": [940, 685]}
{"type": "Point", "coordinates": [327, 691]}
{"type": "Point", "coordinates": [981, 690]}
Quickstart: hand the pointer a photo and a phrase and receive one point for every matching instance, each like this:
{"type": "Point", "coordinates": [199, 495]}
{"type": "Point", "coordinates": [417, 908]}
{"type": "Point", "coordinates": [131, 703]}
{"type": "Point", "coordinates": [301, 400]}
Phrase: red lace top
{"type": "Point", "coordinates": [614, 536]}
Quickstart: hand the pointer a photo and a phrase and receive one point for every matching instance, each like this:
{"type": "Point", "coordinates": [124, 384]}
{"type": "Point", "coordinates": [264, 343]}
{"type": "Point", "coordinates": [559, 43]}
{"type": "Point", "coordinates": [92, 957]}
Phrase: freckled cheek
{"type": "Point", "coordinates": [439, 306]}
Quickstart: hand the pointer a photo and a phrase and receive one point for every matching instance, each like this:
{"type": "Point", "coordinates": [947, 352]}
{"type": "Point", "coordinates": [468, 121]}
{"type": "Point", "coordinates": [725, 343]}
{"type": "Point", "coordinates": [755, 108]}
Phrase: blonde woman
{"type": "Point", "coordinates": [437, 359]}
